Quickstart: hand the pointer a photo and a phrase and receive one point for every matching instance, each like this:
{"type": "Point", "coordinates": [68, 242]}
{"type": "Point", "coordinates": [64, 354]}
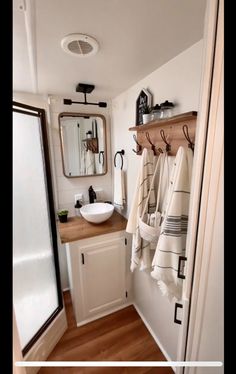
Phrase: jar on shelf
{"type": "Point", "coordinates": [166, 109]}
{"type": "Point", "coordinates": [156, 112]}
{"type": "Point", "coordinates": [89, 134]}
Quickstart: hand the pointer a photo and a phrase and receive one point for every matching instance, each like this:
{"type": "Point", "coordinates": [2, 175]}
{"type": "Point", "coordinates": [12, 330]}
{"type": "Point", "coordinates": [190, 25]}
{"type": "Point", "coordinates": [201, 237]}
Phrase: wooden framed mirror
{"type": "Point", "coordinates": [83, 144]}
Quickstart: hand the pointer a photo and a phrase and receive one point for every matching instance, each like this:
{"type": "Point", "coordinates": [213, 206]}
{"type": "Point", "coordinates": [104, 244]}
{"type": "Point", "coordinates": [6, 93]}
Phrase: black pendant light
{"type": "Point", "coordinates": [85, 89]}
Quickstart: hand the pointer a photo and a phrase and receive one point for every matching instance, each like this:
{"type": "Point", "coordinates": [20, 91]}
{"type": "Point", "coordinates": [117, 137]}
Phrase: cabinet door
{"type": "Point", "coordinates": [103, 275]}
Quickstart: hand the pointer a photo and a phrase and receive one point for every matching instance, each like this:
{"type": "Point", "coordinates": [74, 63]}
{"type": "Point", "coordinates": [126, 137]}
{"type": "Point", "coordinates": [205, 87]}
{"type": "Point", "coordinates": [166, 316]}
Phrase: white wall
{"type": "Point", "coordinates": [68, 187]}
{"type": "Point", "coordinates": [179, 82]}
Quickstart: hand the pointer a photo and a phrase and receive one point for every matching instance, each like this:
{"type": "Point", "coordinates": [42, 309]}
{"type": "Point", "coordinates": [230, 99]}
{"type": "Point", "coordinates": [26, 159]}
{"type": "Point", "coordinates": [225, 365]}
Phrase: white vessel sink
{"type": "Point", "coordinates": [97, 212]}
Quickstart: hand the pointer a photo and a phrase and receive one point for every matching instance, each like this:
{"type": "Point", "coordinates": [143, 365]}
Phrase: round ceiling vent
{"type": "Point", "coordinates": [80, 45]}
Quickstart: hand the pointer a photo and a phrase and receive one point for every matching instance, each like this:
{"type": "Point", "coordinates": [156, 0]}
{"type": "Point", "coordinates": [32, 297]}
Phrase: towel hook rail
{"type": "Point", "coordinates": [168, 146]}
{"type": "Point", "coordinates": [121, 153]}
{"type": "Point", "coordinates": [139, 145]}
{"type": "Point", "coordinates": [149, 141]}
{"type": "Point", "coordinates": [187, 137]}
{"type": "Point", "coordinates": [153, 145]}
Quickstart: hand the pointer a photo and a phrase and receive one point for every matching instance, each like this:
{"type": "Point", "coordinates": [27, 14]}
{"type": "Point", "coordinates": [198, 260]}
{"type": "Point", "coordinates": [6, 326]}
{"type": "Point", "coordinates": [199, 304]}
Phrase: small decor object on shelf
{"type": "Point", "coordinates": [62, 215]}
{"type": "Point", "coordinates": [144, 99]}
{"type": "Point", "coordinates": [156, 112]}
{"type": "Point", "coordinates": [89, 134]}
{"type": "Point", "coordinates": [147, 114]}
{"type": "Point", "coordinates": [166, 109]}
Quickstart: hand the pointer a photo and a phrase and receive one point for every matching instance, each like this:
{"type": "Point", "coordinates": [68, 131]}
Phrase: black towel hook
{"type": "Point", "coordinates": [186, 134]}
{"type": "Point", "coordinates": [139, 145]}
{"type": "Point", "coordinates": [101, 153]}
{"type": "Point", "coordinates": [153, 145]}
{"type": "Point", "coordinates": [168, 146]}
{"type": "Point", "coordinates": [149, 141]}
{"type": "Point", "coordinates": [121, 153]}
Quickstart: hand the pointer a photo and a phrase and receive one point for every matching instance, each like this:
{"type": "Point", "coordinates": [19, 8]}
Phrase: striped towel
{"type": "Point", "coordinates": [140, 247]}
{"type": "Point", "coordinates": [172, 240]}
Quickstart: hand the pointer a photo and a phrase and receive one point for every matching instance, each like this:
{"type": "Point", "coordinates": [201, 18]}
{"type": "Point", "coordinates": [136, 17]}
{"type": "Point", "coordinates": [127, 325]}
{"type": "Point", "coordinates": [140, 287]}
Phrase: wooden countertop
{"type": "Point", "coordinates": [77, 228]}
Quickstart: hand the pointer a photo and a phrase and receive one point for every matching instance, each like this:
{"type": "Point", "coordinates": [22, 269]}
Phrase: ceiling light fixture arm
{"type": "Point", "coordinates": [84, 88]}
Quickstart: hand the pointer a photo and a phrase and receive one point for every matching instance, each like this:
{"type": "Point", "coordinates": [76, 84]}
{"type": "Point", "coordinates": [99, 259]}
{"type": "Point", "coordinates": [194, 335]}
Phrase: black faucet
{"type": "Point", "coordinates": [92, 195]}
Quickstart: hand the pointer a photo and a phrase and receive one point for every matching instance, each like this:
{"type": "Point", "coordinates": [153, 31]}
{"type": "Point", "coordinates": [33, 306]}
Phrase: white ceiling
{"type": "Point", "coordinates": [135, 36]}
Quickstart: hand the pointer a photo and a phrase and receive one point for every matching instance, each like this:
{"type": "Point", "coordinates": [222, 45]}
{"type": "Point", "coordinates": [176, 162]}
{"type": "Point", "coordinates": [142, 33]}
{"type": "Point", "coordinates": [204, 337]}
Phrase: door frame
{"type": "Point", "coordinates": [202, 159]}
{"type": "Point", "coordinates": [40, 113]}
{"type": "Point", "coordinates": [213, 180]}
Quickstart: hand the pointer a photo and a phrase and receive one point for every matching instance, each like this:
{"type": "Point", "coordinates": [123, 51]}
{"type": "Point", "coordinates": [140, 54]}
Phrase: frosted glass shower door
{"type": "Point", "coordinates": [36, 284]}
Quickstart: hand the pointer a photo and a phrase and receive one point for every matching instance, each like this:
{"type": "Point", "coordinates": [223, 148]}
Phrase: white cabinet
{"type": "Point", "coordinates": [103, 275]}
{"type": "Point", "coordinates": [99, 281]}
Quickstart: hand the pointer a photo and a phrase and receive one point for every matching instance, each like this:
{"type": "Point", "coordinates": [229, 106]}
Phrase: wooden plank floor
{"type": "Point", "coordinates": [120, 336]}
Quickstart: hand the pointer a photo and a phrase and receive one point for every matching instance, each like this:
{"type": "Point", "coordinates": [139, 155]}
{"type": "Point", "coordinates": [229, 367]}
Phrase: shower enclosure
{"type": "Point", "coordinates": [37, 295]}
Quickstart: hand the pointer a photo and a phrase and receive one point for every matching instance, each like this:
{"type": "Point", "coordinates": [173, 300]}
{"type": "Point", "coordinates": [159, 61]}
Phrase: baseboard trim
{"type": "Point", "coordinates": [106, 313]}
{"type": "Point", "coordinates": [153, 334]}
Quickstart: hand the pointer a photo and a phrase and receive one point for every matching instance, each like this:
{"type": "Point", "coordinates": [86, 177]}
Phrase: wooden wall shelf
{"type": "Point", "coordinates": [88, 139]}
{"type": "Point", "coordinates": [92, 144]}
{"type": "Point", "coordinates": [165, 122]}
{"type": "Point", "coordinates": [173, 129]}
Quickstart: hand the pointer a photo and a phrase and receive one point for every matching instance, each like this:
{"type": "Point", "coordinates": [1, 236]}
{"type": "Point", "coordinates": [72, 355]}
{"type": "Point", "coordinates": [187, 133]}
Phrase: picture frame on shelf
{"type": "Point", "coordinates": [143, 101]}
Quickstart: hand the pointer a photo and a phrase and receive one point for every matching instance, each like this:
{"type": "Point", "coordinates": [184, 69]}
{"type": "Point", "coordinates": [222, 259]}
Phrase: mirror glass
{"type": "Point", "coordinates": [83, 144]}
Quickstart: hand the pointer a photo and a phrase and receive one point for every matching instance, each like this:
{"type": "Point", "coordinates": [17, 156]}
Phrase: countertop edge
{"type": "Point", "coordinates": [77, 228]}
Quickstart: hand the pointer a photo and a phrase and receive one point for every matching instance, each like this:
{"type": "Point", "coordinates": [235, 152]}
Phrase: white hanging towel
{"type": "Point", "coordinates": [172, 240]}
{"type": "Point", "coordinates": [99, 163]}
{"type": "Point", "coordinates": [140, 247]}
{"type": "Point", "coordinates": [90, 162]}
{"type": "Point", "coordinates": [150, 224]}
{"type": "Point", "coordinates": [83, 162]}
{"type": "Point", "coordinates": [119, 189]}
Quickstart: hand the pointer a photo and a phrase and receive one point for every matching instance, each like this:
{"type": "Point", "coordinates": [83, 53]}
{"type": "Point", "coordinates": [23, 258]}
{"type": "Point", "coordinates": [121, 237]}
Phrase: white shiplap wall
{"type": "Point", "coordinates": [179, 82]}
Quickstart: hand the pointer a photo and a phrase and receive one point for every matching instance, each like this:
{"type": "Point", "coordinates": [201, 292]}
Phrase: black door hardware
{"type": "Point", "coordinates": [179, 275]}
{"type": "Point", "coordinates": [177, 305]}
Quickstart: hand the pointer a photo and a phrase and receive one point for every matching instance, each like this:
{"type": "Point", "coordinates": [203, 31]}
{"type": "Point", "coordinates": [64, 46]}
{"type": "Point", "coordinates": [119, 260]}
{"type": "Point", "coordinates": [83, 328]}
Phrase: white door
{"type": "Point", "coordinates": [103, 275]}
{"type": "Point", "coordinates": [205, 202]}
{"type": "Point", "coordinates": [206, 324]}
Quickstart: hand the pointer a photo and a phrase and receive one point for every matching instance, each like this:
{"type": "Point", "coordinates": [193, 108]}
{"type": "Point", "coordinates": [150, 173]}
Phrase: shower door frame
{"type": "Point", "coordinates": [40, 113]}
